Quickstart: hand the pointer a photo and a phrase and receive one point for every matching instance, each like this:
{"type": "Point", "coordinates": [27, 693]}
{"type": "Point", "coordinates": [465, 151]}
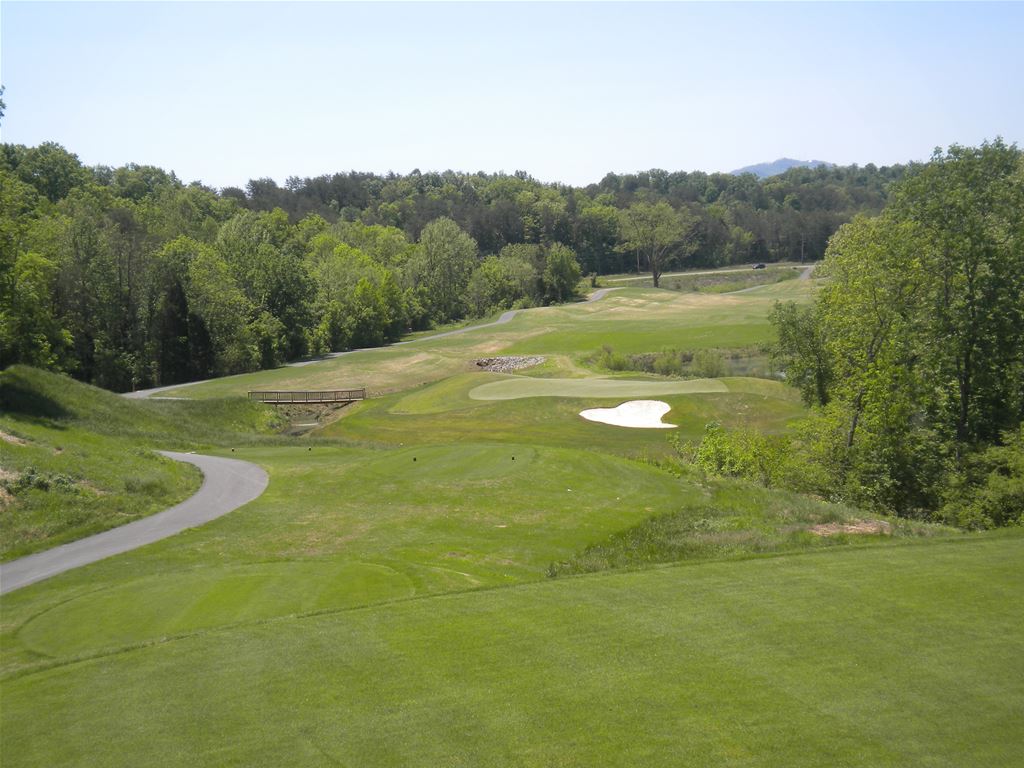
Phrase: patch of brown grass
{"type": "Point", "coordinates": [861, 527]}
{"type": "Point", "coordinates": [12, 439]}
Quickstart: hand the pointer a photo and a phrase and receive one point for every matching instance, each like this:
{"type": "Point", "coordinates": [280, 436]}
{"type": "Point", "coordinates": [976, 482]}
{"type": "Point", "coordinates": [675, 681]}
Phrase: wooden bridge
{"type": "Point", "coordinates": [302, 397]}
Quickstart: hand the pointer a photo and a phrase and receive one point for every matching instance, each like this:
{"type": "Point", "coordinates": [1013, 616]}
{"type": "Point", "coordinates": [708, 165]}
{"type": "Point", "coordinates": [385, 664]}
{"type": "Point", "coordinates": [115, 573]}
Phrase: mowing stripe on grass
{"type": "Point", "coordinates": [523, 386]}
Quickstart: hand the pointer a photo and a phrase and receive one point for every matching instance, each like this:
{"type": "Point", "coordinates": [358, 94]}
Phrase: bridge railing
{"type": "Point", "coordinates": [279, 397]}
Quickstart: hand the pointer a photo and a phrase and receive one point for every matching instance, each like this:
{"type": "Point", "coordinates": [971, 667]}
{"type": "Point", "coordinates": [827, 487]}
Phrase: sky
{"type": "Point", "coordinates": [225, 92]}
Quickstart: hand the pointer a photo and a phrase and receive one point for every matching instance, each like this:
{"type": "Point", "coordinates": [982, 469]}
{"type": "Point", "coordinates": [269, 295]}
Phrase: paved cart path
{"type": "Point", "coordinates": [227, 485]}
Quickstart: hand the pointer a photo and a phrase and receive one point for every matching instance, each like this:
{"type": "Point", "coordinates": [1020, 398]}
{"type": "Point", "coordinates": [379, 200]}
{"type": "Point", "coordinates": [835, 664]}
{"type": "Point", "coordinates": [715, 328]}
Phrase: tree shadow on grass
{"type": "Point", "coordinates": [19, 398]}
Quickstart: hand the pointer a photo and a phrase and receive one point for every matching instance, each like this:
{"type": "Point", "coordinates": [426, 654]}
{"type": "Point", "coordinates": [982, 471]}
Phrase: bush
{"type": "Point", "coordinates": [33, 479]}
{"type": "Point", "coordinates": [613, 361]}
{"type": "Point", "coordinates": [990, 494]}
{"type": "Point", "coordinates": [709, 364]}
{"type": "Point", "coordinates": [668, 363]}
{"type": "Point", "coordinates": [742, 453]}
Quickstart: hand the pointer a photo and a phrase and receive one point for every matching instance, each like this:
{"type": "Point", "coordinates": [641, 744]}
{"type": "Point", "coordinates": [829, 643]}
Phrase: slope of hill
{"type": "Point", "coordinates": [774, 168]}
{"type": "Point", "coordinates": [76, 459]}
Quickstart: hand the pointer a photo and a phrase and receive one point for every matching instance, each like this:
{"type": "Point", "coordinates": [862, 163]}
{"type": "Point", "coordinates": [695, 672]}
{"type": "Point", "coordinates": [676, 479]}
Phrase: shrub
{"type": "Point", "coordinates": [990, 494]}
{"type": "Point", "coordinates": [32, 479]}
{"type": "Point", "coordinates": [668, 363]}
{"type": "Point", "coordinates": [709, 364]}
{"type": "Point", "coordinates": [742, 453]}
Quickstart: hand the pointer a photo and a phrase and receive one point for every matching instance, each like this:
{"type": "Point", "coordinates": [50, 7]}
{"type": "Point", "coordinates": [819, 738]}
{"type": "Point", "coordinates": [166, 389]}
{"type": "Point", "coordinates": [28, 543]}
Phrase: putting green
{"type": "Point", "coordinates": [523, 386]}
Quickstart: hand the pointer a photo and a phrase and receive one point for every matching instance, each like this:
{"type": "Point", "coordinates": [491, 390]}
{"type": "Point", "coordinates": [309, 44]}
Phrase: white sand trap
{"type": "Point", "coordinates": [638, 414]}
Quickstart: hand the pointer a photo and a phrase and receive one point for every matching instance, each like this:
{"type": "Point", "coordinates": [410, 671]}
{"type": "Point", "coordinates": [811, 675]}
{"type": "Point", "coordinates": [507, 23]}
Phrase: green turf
{"type": "Point", "coordinates": [387, 600]}
{"type": "Point", "coordinates": [632, 320]}
{"type": "Point", "coordinates": [444, 412]}
{"type": "Point", "coordinates": [414, 520]}
{"type": "Point", "coordinates": [521, 386]}
{"type": "Point", "coordinates": [879, 657]}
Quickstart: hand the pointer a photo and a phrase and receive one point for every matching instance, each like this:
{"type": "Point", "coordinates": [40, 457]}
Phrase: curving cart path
{"type": "Point", "coordinates": [227, 485]}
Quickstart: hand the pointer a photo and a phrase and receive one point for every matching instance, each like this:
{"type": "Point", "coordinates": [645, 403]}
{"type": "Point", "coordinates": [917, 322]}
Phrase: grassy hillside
{"type": "Point", "coordinates": [75, 460]}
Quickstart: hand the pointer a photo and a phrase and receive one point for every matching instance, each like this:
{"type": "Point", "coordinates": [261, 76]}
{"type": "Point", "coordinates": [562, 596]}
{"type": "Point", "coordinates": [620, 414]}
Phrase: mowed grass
{"type": "Point", "coordinates": [339, 527]}
{"type": "Point", "coordinates": [447, 412]}
{"type": "Point", "coordinates": [874, 657]}
{"type": "Point", "coordinates": [519, 387]}
{"type": "Point", "coordinates": [631, 320]}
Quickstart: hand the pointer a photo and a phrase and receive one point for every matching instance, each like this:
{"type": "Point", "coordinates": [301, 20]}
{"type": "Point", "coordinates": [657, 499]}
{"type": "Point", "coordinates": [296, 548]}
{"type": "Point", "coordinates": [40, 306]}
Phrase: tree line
{"type": "Point", "coordinates": [127, 277]}
{"type": "Point", "coordinates": [912, 355]}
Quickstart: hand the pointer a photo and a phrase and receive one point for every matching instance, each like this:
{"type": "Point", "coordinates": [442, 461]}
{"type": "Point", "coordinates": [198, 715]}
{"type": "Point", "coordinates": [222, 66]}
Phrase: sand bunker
{"type": "Point", "coordinates": [638, 414]}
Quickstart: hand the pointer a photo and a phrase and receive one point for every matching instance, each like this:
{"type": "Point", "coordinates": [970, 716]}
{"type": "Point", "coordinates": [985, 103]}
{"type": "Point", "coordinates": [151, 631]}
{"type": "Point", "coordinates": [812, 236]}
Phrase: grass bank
{"type": "Point", "coordinates": [76, 460]}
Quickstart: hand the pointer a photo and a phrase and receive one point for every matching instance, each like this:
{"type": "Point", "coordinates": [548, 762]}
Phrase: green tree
{"type": "Point", "coordinates": [215, 296]}
{"type": "Point", "coordinates": [29, 330]}
{"type": "Point", "coordinates": [561, 273]}
{"type": "Point", "coordinates": [267, 261]}
{"type": "Point", "coordinates": [657, 233]}
{"type": "Point", "coordinates": [802, 348]}
{"type": "Point", "coordinates": [916, 342]}
{"type": "Point", "coordinates": [969, 203]}
{"type": "Point", "coordinates": [442, 266]}
{"type": "Point", "coordinates": [52, 170]}
{"type": "Point", "coordinates": [501, 282]}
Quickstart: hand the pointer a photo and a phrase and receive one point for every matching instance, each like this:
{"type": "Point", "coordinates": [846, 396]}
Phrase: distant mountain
{"type": "Point", "coordinates": [783, 164]}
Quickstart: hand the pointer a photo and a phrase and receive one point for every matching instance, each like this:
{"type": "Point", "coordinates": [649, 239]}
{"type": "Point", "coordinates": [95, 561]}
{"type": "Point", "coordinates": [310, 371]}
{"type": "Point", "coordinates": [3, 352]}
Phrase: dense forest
{"type": "Point", "coordinates": [912, 355]}
{"type": "Point", "coordinates": [128, 277]}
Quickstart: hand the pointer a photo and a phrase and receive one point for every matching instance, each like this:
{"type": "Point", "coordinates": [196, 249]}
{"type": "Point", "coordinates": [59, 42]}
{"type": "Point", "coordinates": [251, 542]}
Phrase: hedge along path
{"type": "Point", "coordinates": [524, 386]}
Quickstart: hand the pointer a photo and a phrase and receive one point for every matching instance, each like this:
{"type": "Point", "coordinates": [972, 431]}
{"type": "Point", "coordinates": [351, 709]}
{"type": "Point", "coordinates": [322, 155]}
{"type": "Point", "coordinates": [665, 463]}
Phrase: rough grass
{"type": "Point", "coordinates": [734, 520]}
{"type": "Point", "coordinates": [725, 281]}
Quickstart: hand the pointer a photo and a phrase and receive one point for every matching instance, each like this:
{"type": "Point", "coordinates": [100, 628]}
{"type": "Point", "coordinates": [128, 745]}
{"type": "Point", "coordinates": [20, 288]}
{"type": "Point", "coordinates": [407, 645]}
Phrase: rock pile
{"type": "Point", "coordinates": [507, 364]}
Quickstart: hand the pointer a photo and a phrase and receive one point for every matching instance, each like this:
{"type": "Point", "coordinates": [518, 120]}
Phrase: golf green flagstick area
{"type": "Point", "coordinates": [462, 571]}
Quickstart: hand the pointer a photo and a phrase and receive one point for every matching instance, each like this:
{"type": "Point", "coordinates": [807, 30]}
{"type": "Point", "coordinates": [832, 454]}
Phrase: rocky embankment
{"type": "Point", "coordinates": [507, 364]}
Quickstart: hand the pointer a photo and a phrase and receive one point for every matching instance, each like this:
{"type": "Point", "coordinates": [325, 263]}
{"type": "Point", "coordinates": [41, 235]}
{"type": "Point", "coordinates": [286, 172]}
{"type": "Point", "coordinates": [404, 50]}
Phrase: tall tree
{"type": "Point", "coordinates": [969, 202]}
{"type": "Point", "coordinates": [561, 273]}
{"type": "Point", "coordinates": [922, 328]}
{"type": "Point", "coordinates": [443, 265]}
{"type": "Point", "coordinates": [657, 233]}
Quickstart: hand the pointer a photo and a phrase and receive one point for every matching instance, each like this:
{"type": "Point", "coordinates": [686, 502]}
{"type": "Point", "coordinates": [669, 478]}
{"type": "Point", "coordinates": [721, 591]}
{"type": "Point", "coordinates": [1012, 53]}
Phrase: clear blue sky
{"type": "Point", "coordinates": [225, 92]}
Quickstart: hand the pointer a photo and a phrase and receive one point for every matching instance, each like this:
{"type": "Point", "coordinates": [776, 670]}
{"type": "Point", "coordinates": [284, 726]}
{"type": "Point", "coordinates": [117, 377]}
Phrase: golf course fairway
{"type": "Point", "coordinates": [461, 571]}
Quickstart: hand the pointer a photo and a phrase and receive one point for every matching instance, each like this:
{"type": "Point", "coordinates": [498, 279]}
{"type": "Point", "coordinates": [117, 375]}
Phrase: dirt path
{"type": "Point", "coordinates": [227, 485]}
